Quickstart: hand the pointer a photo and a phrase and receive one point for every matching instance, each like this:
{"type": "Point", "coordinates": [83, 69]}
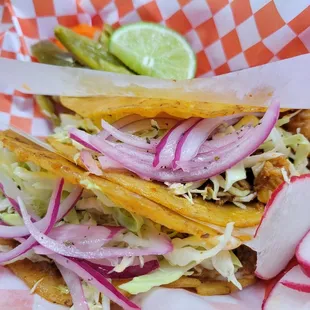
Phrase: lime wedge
{"type": "Point", "coordinates": [154, 50]}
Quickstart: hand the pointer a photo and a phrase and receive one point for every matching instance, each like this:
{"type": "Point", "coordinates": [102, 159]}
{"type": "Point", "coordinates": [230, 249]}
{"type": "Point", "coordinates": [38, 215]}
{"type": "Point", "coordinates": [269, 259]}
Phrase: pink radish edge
{"type": "Point", "coordinates": [302, 253]}
{"type": "Point", "coordinates": [258, 243]}
{"type": "Point", "coordinates": [294, 285]}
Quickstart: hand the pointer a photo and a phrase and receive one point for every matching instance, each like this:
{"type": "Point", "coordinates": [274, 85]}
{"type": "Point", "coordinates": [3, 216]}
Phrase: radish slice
{"type": "Point", "coordinates": [65, 207]}
{"type": "Point", "coordinates": [49, 222]}
{"type": "Point", "coordinates": [303, 253]}
{"type": "Point", "coordinates": [75, 287]}
{"type": "Point", "coordinates": [96, 279]}
{"type": "Point", "coordinates": [165, 151]}
{"type": "Point", "coordinates": [81, 137]}
{"type": "Point", "coordinates": [284, 223]}
{"type": "Point", "coordinates": [128, 138]}
{"type": "Point", "coordinates": [90, 163]}
{"type": "Point", "coordinates": [291, 292]}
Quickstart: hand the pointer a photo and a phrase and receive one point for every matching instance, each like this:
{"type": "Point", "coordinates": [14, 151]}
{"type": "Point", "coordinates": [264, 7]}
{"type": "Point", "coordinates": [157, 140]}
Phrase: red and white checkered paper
{"type": "Point", "coordinates": [227, 35]}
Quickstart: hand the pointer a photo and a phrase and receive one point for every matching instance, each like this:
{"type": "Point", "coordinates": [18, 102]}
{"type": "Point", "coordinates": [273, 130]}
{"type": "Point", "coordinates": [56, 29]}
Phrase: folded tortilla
{"type": "Point", "coordinates": [26, 150]}
{"type": "Point", "coordinates": [112, 108]}
{"type": "Point", "coordinates": [46, 277]}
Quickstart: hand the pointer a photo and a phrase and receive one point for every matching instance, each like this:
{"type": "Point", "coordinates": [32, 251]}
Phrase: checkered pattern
{"type": "Point", "coordinates": [227, 35]}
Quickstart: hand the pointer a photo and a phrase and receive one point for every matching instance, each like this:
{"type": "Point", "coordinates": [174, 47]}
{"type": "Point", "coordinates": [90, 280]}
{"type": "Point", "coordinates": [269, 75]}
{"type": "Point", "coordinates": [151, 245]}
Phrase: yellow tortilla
{"type": "Point", "coordinates": [200, 210]}
{"type": "Point", "coordinates": [112, 108]}
{"type": "Point", "coordinates": [28, 151]}
{"type": "Point", "coordinates": [50, 278]}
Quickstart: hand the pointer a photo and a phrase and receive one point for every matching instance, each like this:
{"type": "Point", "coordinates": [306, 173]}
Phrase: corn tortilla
{"type": "Point", "coordinates": [31, 273]}
{"type": "Point", "coordinates": [200, 210]}
{"type": "Point", "coordinates": [113, 108]}
{"type": "Point", "coordinates": [28, 151]}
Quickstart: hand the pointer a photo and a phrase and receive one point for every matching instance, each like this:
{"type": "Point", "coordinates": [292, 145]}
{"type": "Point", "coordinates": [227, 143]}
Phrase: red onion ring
{"type": "Point", "coordinates": [108, 163]}
{"type": "Point", "coordinates": [165, 150]}
{"type": "Point", "coordinates": [75, 287]}
{"type": "Point", "coordinates": [65, 207]}
{"type": "Point", "coordinates": [84, 237]}
{"type": "Point", "coordinates": [90, 163]}
{"type": "Point", "coordinates": [128, 138]}
{"type": "Point", "coordinates": [218, 143]}
{"type": "Point", "coordinates": [49, 220]}
{"type": "Point", "coordinates": [94, 278]}
{"type": "Point", "coordinates": [128, 273]}
{"type": "Point", "coordinates": [81, 137]}
{"type": "Point", "coordinates": [193, 139]}
{"type": "Point", "coordinates": [120, 123]}
{"type": "Point", "coordinates": [144, 124]}
{"type": "Point", "coordinates": [159, 245]}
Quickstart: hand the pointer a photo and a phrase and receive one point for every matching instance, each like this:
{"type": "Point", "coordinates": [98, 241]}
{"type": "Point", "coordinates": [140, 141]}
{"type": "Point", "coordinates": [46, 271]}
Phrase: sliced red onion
{"type": "Point", "coordinates": [11, 192]}
{"type": "Point", "coordinates": [81, 137]}
{"type": "Point", "coordinates": [65, 207]}
{"type": "Point", "coordinates": [130, 272]}
{"type": "Point", "coordinates": [50, 220]}
{"type": "Point", "coordinates": [75, 287]}
{"type": "Point", "coordinates": [138, 154]}
{"type": "Point", "coordinates": [95, 279]}
{"type": "Point", "coordinates": [190, 144]}
{"type": "Point", "coordinates": [217, 143]}
{"type": "Point", "coordinates": [193, 139]}
{"type": "Point", "coordinates": [144, 124]}
{"type": "Point", "coordinates": [206, 169]}
{"type": "Point", "coordinates": [120, 123]}
{"type": "Point", "coordinates": [90, 163]}
{"type": "Point", "coordinates": [207, 158]}
{"type": "Point", "coordinates": [84, 237]}
{"type": "Point", "coordinates": [159, 245]}
{"type": "Point", "coordinates": [108, 163]}
{"type": "Point", "coordinates": [53, 206]}
{"type": "Point", "coordinates": [165, 150]}
{"type": "Point", "coordinates": [129, 139]}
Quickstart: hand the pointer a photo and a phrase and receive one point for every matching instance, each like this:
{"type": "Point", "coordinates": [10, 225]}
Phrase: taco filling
{"type": "Point", "coordinates": [63, 231]}
{"type": "Point", "coordinates": [238, 159]}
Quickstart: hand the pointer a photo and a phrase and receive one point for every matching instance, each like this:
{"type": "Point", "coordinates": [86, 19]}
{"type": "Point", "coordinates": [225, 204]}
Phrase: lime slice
{"type": "Point", "coordinates": [154, 50]}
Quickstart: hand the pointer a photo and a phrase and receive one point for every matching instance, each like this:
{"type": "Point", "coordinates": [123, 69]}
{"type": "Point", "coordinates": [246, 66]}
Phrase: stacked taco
{"type": "Point", "coordinates": [132, 194]}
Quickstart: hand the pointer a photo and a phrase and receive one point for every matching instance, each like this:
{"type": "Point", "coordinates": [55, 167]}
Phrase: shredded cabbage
{"type": "Point", "coordinates": [223, 264]}
{"type": "Point", "coordinates": [92, 296]}
{"type": "Point", "coordinates": [124, 263]}
{"type": "Point", "coordinates": [234, 174]}
{"type": "Point", "coordinates": [131, 221]}
{"type": "Point", "coordinates": [164, 275]}
{"type": "Point", "coordinates": [13, 219]}
{"type": "Point", "coordinates": [190, 250]}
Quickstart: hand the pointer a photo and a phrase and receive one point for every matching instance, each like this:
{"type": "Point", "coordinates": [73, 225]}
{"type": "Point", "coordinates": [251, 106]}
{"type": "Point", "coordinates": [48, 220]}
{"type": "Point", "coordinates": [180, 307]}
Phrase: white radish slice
{"type": "Point", "coordinates": [291, 292]}
{"type": "Point", "coordinates": [303, 254]}
{"type": "Point", "coordinates": [285, 221]}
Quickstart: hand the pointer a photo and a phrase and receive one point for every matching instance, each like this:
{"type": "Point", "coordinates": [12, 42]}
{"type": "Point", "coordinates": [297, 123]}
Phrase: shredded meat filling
{"type": "Point", "coordinates": [302, 121]}
{"type": "Point", "coordinates": [270, 177]}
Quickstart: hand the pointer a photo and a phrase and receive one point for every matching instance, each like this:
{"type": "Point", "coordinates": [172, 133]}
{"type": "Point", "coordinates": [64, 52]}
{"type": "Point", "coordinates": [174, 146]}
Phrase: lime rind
{"type": "Point", "coordinates": [154, 50]}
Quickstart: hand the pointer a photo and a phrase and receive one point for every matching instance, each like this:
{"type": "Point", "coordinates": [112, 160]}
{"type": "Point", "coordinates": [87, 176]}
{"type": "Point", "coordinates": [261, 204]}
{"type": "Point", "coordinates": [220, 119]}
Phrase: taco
{"type": "Point", "coordinates": [78, 238]}
{"type": "Point", "coordinates": [209, 165]}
